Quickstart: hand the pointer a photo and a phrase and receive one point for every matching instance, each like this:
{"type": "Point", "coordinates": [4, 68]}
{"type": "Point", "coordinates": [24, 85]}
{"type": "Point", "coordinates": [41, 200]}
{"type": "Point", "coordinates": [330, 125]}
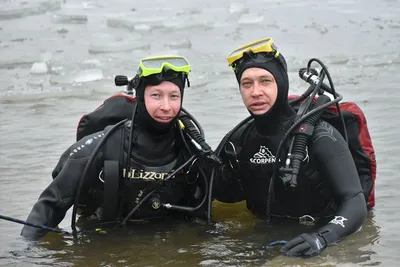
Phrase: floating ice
{"type": "Point", "coordinates": [70, 18]}
{"type": "Point", "coordinates": [92, 63]}
{"type": "Point", "coordinates": [189, 24]}
{"type": "Point", "coordinates": [235, 8]}
{"type": "Point", "coordinates": [28, 9]}
{"type": "Point", "coordinates": [115, 46]}
{"type": "Point", "coordinates": [250, 19]}
{"type": "Point", "coordinates": [88, 76]}
{"type": "Point", "coordinates": [120, 24]}
{"type": "Point", "coordinates": [82, 76]}
{"type": "Point", "coordinates": [180, 44]}
{"type": "Point", "coordinates": [62, 31]}
{"type": "Point", "coordinates": [142, 27]}
{"type": "Point", "coordinates": [24, 61]}
{"type": "Point", "coordinates": [39, 68]}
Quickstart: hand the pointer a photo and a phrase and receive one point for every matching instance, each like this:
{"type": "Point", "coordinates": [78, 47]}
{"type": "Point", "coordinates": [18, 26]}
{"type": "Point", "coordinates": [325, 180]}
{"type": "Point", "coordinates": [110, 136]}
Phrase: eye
{"type": "Point", "coordinates": [247, 84]}
{"type": "Point", "coordinates": [266, 80]}
{"type": "Point", "coordinates": [174, 96]}
{"type": "Point", "coordinates": [155, 95]}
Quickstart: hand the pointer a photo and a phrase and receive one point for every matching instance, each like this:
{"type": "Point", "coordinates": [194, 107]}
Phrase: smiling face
{"type": "Point", "coordinates": [259, 90]}
{"type": "Point", "coordinates": [163, 101]}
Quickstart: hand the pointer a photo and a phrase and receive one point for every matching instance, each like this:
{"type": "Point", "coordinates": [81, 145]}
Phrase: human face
{"type": "Point", "coordinates": [163, 101]}
{"type": "Point", "coordinates": [258, 89]}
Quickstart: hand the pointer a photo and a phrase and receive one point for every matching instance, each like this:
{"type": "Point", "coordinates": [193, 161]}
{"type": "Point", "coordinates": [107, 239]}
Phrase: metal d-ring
{"type": "Point", "coordinates": [234, 152]}
{"type": "Point", "coordinates": [100, 175]}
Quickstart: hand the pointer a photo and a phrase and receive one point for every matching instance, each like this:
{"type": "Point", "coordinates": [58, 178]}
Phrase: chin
{"type": "Point", "coordinates": [258, 111]}
{"type": "Point", "coordinates": [163, 121]}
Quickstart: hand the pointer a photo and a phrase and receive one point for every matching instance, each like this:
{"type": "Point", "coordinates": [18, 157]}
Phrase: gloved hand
{"type": "Point", "coordinates": [304, 245]}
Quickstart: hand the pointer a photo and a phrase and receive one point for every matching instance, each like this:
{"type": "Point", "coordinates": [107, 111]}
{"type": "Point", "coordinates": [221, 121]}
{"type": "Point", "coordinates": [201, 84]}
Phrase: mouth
{"type": "Point", "coordinates": [259, 104]}
{"type": "Point", "coordinates": [163, 118]}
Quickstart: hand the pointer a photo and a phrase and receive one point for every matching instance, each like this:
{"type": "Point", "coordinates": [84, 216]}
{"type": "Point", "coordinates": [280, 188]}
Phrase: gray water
{"type": "Point", "coordinates": [58, 60]}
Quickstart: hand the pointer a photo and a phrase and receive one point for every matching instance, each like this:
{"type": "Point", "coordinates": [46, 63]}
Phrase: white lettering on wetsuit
{"type": "Point", "coordinates": [263, 156]}
{"type": "Point", "coordinates": [145, 175]}
{"type": "Point", "coordinates": [87, 143]}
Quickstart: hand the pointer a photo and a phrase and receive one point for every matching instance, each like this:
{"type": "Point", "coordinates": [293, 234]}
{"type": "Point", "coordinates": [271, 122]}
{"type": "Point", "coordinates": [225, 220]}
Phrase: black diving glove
{"type": "Point", "coordinates": [307, 245]}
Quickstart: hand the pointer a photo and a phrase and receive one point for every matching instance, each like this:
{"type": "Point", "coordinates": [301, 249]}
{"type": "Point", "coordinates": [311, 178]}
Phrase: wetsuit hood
{"type": "Point", "coordinates": [143, 117]}
{"type": "Point", "coordinates": [275, 118]}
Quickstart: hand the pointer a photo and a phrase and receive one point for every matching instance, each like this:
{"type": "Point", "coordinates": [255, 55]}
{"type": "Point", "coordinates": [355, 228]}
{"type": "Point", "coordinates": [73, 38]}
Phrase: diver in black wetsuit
{"type": "Point", "coordinates": [115, 189]}
{"type": "Point", "coordinates": [328, 185]}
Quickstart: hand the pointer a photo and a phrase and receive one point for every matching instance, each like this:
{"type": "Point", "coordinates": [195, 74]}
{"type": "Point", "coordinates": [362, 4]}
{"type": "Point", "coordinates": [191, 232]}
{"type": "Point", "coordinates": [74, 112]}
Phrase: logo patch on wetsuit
{"type": "Point", "coordinates": [263, 156]}
{"type": "Point", "coordinates": [323, 130]}
{"type": "Point", "coordinates": [145, 175]}
{"type": "Point", "coordinates": [339, 220]}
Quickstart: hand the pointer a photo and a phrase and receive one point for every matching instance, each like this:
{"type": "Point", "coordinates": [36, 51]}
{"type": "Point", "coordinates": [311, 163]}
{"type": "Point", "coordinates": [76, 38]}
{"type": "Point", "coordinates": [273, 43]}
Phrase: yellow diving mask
{"type": "Point", "coordinates": [159, 64]}
{"type": "Point", "coordinates": [265, 47]}
{"type": "Point", "coordinates": [161, 68]}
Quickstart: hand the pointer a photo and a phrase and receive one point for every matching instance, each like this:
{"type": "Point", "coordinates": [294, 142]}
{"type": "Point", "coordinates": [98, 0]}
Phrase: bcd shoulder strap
{"type": "Point", "coordinates": [113, 155]}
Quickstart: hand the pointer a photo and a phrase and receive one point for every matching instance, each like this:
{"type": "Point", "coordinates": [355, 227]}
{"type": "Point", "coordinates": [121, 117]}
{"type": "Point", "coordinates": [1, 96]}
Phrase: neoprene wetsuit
{"type": "Point", "coordinates": [328, 185]}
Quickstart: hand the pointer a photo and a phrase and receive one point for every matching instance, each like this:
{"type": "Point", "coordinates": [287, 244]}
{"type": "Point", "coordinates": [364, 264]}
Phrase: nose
{"type": "Point", "coordinates": [257, 90]}
{"type": "Point", "coordinates": [165, 105]}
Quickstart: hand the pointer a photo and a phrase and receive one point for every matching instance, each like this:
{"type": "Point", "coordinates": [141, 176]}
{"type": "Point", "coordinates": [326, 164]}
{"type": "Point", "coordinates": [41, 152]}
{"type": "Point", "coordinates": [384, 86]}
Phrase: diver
{"type": "Point", "coordinates": [258, 157]}
{"type": "Point", "coordinates": [144, 167]}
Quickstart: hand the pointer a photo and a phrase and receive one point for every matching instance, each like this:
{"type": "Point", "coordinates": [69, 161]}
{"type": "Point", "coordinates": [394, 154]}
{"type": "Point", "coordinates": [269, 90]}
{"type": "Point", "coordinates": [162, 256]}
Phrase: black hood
{"type": "Point", "coordinates": [143, 118]}
{"type": "Point", "coordinates": [280, 113]}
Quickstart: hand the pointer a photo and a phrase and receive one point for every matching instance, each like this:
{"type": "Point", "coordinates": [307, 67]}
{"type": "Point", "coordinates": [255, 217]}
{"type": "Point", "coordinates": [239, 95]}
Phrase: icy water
{"type": "Point", "coordinates": [58, 60]}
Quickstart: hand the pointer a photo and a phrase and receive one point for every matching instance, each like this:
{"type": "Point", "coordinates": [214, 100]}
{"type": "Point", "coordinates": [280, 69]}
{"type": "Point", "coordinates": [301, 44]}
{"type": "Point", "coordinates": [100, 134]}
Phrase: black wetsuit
{"type": "Point", "coordinates": [153, 156]}
{"type": "Point", "coordinates": [328, 183]}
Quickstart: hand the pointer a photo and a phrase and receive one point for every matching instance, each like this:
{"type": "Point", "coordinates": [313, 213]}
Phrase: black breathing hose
{"type": "Point", "coordinates": [301, 138]}
{"type": "Point", "coordinates": [194, 133]}
{"type": "Point", "coordinates": [200, 129]}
